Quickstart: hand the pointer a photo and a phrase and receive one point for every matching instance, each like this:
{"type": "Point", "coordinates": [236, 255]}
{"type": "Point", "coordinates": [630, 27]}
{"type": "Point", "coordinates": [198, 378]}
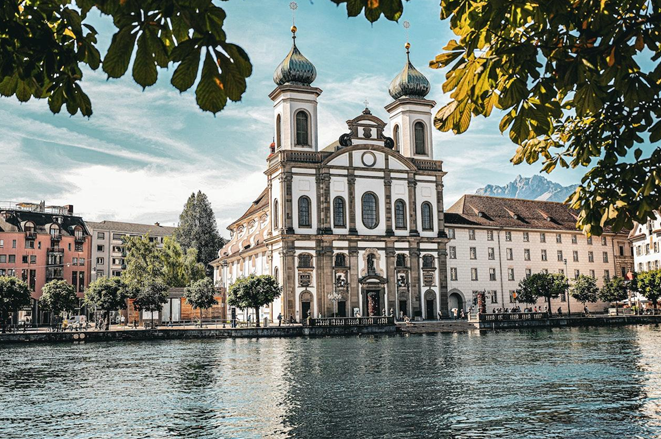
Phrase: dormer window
{"type": "Point", "coordinates": [54, 231]}
{"type": "Point", "coordinates": [302, 129]}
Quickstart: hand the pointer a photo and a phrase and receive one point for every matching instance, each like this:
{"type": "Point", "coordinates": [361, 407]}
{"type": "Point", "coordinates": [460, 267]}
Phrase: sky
{"type": "Point", "coordinates": [142, 153]}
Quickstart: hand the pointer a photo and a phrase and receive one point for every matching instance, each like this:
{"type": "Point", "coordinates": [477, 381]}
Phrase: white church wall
{"type": "Point", "coordinates": [303, 185]}
{"type": "Point", "coordinates": [364, 185]}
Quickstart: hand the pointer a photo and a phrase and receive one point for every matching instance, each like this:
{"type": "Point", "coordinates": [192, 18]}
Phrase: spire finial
{"type": "Point", "coordinates": [293, 6]}
{"type": "Point", "coordinates": [407, 45]}
{"type": "Point", "coordinates": [366, 102]}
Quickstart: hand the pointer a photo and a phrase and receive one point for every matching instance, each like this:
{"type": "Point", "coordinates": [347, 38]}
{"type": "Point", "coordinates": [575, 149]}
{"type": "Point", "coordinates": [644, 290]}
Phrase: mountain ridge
{"type": "Point", "coordinates": [533, 188]}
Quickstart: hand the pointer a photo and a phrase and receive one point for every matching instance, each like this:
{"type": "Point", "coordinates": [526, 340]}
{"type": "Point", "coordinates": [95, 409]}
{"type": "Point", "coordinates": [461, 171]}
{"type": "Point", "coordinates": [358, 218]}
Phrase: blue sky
{"type": "Point", "coordinates": [143, 152]}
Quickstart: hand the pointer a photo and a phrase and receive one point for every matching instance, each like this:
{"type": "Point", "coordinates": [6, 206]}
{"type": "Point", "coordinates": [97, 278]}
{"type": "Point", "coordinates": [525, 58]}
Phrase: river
{"type": "Point", "coordinates": [587, 383]}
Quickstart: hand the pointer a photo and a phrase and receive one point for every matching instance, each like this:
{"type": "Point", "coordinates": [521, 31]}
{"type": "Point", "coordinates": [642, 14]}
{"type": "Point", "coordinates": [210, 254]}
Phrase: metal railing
{"type": "Point", "coordinates": [351, 321]}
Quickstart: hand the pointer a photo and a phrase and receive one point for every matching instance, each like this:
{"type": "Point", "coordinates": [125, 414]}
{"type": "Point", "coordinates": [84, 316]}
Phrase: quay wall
{"type": "Point", "coordinates": [182, 334]}
{"type": "Point", "coordinates": [565, 322]}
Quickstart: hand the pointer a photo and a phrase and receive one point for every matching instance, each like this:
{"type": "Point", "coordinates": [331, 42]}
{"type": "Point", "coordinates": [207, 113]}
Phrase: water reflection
{"type": "Point", "coordinates": [596, 383]}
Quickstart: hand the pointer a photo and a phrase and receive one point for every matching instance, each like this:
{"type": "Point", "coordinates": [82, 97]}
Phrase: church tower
{"type": "Point", "coordinates": [295, 102]}
{"type": "Point", "coordinates": [410, 113]}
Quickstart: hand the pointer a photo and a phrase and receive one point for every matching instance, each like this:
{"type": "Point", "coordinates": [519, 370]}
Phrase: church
{"type": "Point", "coordinates": [352, 228]}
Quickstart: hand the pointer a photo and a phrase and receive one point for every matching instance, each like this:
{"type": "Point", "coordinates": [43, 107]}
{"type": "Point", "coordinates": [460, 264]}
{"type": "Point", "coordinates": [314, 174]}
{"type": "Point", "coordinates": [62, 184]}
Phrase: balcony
{"type": "Point", "coordinates": [80, 239]}
{"type": "Point", "coordinates": [30, 234]}
{"type": "Point", "coordinates": [56, 238]}
{"type": "Point", "coordinates": [55, 250]}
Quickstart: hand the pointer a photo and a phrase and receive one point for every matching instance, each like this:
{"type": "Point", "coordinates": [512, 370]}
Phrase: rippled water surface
{"type": "Point", "coordinates": [587, 383]}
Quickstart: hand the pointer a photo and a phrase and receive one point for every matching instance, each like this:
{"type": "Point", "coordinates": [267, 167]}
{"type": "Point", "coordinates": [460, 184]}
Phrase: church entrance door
{"type": "Point", "coordinates": [373, 303]}
{"type": "Point", "coordinates": [431, 314]}
{"type": "Point", "coordinates": [305, 309]}
{"type": "Point", "coordinates": [341, 308]}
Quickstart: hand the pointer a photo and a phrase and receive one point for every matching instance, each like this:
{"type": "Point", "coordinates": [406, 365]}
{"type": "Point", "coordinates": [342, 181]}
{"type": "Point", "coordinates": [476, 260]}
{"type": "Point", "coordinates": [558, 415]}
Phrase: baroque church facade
{"type": "Point", "coordinates": [356, 227]}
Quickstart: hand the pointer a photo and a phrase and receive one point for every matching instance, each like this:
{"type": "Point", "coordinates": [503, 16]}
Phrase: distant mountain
{"type": "Point", "coordinates": [534, 188]}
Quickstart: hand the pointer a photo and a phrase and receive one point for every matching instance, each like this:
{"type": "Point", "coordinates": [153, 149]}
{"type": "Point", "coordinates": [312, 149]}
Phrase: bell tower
{"type": "Point", "coordinates": [410, 112]}
{"type": "Point", "coordinates": [295, 102]}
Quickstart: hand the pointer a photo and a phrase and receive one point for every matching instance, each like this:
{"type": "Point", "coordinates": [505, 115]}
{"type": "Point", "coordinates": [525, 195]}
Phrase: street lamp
{"type": "Point", "coordinates": [567, 289]}
{"type": "Point", "coordinates": [334, 297]}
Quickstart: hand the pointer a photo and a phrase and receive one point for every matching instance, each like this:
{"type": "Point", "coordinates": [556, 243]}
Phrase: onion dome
{"type": "Point", "coordinates": [410, 83]}
{"type": "Point", "coordinates": [295, 69]}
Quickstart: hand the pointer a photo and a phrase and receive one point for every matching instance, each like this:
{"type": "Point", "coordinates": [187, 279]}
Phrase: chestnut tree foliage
{"type": "Point", "coordinates": [576, 82]}
{"type": "Point", "coordinates": [44, 43]}
{"type": "Point", "coordinates": [579, 84]}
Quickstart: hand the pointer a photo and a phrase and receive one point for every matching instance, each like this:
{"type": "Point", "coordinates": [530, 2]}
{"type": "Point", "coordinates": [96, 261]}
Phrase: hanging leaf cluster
{"type": "Point", "coordinates": [578, 84]}
{"type": "Point", "coordinates": [373, 9]}
{"type": "Point", "coordinates": [44, 44]}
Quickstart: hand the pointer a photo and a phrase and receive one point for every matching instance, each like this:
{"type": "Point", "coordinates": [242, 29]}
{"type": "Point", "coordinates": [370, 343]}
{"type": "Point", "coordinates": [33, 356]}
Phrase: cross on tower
{"type": "Point", "coordinates": [366, 102]}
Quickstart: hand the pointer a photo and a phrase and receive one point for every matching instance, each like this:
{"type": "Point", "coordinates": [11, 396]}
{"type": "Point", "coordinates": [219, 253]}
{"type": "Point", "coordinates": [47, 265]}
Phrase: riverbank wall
{"type": "Point", "coordinates": [184, 334]}
{"type": "Point", "coordinates": [493, 322]}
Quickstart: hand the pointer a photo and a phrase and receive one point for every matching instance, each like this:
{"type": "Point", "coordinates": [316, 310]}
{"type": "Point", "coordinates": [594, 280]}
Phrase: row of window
{"type": "Point", "coordinates": [640, 250]}
{"type": "Point", "coordinates": [419, 138]}
{"type": "Point", "coordinates": [370, 212]}
{"type": "Point", "coordinates": [526, 237]}
{"type": "Point", "coordinates": [509, 254]}
{"type": "Point", "coordinates": [650, 265]}
{"type": "Point", "coordinates": [302, 133]}
{"type": "Point", "coordinates": [53, 259]}
{"type": "Point", "coordinates": [454, 274]}
{"type": "Point", "coordinates": [401, 261]}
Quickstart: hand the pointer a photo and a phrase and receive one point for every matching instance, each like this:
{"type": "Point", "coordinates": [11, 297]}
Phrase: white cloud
{"type": "Point", "coordinates": [149, 194]}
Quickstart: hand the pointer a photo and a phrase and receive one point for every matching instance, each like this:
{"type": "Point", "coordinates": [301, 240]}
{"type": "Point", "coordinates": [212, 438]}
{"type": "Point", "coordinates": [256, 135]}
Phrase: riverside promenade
{"type": "Point", "coordinates": [537, 320]}
{"type": "Point", "coordinates": [317, 327]}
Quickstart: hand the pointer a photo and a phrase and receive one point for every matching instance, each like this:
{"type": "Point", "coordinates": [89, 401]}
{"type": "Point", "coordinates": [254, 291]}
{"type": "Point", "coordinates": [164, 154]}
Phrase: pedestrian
{"type": "Point", "coordinates": [279, 319]}
{"type": "Point", "coordinates": [463, 314]}
{"type": "Point", "coordinates": [439, 315]}
{"type": "Point", "coordinates": [392, 313]}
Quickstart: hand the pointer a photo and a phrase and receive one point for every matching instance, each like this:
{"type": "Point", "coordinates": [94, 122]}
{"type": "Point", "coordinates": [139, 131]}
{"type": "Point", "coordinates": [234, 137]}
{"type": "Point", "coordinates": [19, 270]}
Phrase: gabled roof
{"type": "Point", "coordinates": [260, 203]}
{"type": "Point", "coordinates": [479, 210]}
{"type": "Point", "coordinates": [15, 221]}
{"type": "Point", "coordinates": [134, 228]}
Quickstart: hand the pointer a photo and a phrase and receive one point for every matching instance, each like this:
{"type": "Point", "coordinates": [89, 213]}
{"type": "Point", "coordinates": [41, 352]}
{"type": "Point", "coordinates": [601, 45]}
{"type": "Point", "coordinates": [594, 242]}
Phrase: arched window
{"type": "Point", "coordinates": [304, 212]}
{"type": "Point", "coordinates": [339, 213]}
{"type": "Point", "coordinates": [427, 261]}
{"type": "Point", "coordinates": [370, 210]}
{"type": "Point", "coordinates": [54, 231]}
{"type": "Point", "coordinates": [304, 260]}
{"type": "Point", "coordinates": [278, 132]}
{"type": "Point", "coordinates": [419, 133]}
{"type": "Point", "coordinates": [340, 260]}
{"type": "Point", "coordinates": [427, 216]}
{"type": "Point", "coordinates": [395, 135]}
{"type": "Point", "coordinates": [400, 214]}
{"type": "Point", "coordinates": [302, 129]}
{"type": "Point", "coordinates": [276, 214]}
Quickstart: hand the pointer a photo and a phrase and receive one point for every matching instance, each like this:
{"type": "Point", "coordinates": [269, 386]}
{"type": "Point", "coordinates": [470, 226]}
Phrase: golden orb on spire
{"type": "Point", "coordinates": [294, 29]}
{"type": "Point", "coordinates": [407, 45]}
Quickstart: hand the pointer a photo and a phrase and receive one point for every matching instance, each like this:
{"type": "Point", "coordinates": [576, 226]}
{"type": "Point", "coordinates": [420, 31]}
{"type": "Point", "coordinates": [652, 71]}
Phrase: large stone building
{"type": "Point", "coordinates": [496, 242]}
{"type": "Point", "coordinates": [40, 243]}
{"type": "Point", "coordinates": [108, 251]}
{"type": "Point", "coordinates": [646, 241]}
{"type": "Point", "coordinates": [356, 227]}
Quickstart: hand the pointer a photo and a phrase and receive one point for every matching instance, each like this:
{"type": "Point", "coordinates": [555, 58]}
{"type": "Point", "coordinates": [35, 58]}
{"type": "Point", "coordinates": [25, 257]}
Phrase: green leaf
{"type": "Point", "coordinates": [56, 99]}
{"type": "Point", "coordinates": [234, 82]}
{"type": "Point", "coordinates": [186, 72]}
{"type": "Point", "coordinates": [210, 94]}
{"type": "Point", "coordinates": [587, 100]}
{"type": "Point", "coordinates": [119, 53]}
{"type": "Point", "coordinates": [8, 85]}
{"type": "Point", "coordinates": [144, 68]}
{"type": "Point", "coordinates": [23, 90]}
{"type": "Point", "coordinates": [655, 133]}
